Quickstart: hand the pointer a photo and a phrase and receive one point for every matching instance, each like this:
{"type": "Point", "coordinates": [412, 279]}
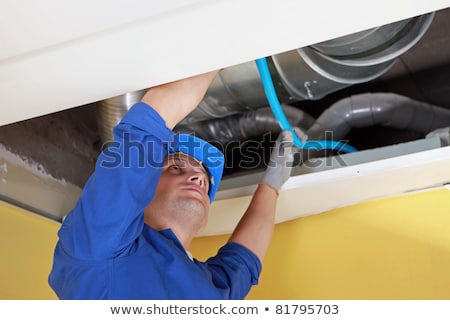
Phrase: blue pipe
{"type": "Point", "coordinates": [283, 121]}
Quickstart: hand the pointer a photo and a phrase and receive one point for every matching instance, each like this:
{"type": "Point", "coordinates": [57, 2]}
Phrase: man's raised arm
{"type": "Point", "coordinates": [175, 100]}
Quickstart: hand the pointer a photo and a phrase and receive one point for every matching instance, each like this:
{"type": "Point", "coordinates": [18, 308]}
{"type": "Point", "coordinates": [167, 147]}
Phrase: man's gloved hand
{"type": "Point", "coordinates": [281, 161]}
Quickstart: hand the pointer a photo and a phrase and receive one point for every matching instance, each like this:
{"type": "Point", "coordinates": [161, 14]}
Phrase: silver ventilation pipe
{"type": "Point", "coordinates": [247, 125]}
{"type": "Point", "coordinates": [385, 109]}
{"type": "Point", "coordinates": [110, 111]}
{"type": "Point", "coordinates": [308, 73]}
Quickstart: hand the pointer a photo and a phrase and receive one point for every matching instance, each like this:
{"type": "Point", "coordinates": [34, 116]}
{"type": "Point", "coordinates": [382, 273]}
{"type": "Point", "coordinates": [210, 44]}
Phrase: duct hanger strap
{"type": "Point", "coordinates": [275, 105]}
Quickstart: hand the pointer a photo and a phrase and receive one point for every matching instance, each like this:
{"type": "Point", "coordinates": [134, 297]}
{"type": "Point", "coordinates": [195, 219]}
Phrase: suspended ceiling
{"type": "Point", "coordinates": [54, 55]}
{"type": "Point", "coordinates": [59, 74]}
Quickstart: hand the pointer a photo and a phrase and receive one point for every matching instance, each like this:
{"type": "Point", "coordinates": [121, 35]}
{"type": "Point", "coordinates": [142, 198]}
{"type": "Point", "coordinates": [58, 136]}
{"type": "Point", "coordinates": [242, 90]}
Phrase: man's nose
{"type": "Point", "coordinates": [197, 178]}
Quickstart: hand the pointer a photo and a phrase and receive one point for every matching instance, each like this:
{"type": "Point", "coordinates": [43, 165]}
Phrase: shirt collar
{"type": "Point", "coordinates": [169, 234]}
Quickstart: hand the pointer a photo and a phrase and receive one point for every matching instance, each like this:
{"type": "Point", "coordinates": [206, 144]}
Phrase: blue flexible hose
{"type": "Point", "coordinates": [283, 121]}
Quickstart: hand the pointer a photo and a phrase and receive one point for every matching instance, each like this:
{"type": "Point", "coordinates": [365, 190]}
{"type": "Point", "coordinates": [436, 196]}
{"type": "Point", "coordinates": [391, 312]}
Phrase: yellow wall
{"type": "Point", "coordinates": [26, 251]}
{"type": "Point", "coordinates": [397, 248]}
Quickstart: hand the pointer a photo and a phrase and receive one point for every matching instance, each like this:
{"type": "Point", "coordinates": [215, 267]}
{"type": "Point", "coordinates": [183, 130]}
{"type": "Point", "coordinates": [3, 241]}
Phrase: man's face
{"type": "Point", "coordinates": [186, 176]}
{"type": "Point", "coordinates": [181, 196]}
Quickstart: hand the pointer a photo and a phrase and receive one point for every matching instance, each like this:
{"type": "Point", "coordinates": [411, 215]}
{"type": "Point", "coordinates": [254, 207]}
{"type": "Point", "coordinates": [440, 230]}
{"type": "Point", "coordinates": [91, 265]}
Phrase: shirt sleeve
{"type": "Point", "coordinates": [234, 270]}
{"type": "Point", "coordinates": [108, 216]}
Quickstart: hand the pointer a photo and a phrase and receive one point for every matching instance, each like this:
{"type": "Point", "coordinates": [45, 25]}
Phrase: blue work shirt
{"type": "Point", "coordinates": [105, 251]}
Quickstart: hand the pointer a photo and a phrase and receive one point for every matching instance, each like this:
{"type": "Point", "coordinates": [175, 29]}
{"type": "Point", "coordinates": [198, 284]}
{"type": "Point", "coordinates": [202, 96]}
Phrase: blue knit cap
{"type": "Point", "coordinates": [208, 155]}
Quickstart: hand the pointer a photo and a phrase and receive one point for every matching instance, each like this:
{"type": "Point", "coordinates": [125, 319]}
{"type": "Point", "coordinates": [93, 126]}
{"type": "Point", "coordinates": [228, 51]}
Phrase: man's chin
{"type": "Point", "coordinates": [192, 204]}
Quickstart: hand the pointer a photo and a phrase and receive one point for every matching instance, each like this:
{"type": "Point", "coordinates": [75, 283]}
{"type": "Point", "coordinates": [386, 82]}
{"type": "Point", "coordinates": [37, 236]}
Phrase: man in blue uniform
{"type": "Point", "coordinates": [128, 235]}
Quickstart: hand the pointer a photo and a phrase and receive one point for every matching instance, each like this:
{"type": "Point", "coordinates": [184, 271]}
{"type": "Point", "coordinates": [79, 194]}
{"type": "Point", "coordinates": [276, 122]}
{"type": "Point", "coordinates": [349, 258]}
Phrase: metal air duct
{"type": "Point", "coordinates": [305, 73]}
{"type": "Point", "coordinates": [247, 125]}
{"type": "Point", "coordinates": [110, 111]}
{"type": "Point", "coordinates": [312, 72]}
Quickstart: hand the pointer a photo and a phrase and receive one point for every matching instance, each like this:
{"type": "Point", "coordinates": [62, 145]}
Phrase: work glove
{"type": "Point", "coordinates": [281, 161]}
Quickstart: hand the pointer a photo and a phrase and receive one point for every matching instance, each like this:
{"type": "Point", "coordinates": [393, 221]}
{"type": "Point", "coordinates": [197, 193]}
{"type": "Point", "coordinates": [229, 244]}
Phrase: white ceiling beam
{"type": "Point", "coordinates": [56, 55]}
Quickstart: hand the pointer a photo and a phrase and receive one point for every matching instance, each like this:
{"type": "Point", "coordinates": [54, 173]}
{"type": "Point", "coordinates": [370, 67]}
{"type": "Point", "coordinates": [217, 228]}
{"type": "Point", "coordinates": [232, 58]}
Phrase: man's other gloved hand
{"type": "Point", "coordinates": [281, 161]}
